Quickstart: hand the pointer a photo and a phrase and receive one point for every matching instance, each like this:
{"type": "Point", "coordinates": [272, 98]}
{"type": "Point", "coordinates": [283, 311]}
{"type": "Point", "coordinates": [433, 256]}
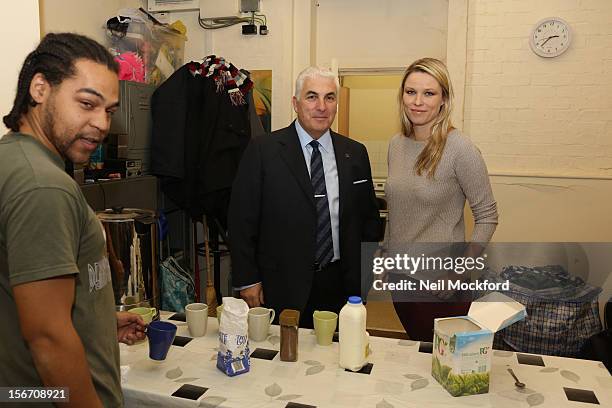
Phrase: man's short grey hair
{"type": "Point", "coordinates": [314, 72]}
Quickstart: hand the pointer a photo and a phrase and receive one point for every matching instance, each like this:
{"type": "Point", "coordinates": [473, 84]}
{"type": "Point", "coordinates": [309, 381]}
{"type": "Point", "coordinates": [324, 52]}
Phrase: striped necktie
{"type": "Point", "coordinates": [324, 246]}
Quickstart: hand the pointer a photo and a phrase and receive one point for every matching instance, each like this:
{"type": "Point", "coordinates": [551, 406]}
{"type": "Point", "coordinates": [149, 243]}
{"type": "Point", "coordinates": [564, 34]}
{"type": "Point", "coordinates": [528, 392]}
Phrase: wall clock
{"type": "Point", "coordinates": [550, 37]}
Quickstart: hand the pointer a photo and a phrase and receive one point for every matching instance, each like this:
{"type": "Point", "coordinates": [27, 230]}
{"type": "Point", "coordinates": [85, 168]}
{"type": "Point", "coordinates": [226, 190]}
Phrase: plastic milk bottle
{"type": "Point", "coordinates": [353, 335]}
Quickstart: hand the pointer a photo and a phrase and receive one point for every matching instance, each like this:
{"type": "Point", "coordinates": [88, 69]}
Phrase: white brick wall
{"type": "Point", "coordinates": [530, 114]}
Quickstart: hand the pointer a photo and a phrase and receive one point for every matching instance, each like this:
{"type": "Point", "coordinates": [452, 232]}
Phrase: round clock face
{"type": "Point", "coordinates": [551, 37]}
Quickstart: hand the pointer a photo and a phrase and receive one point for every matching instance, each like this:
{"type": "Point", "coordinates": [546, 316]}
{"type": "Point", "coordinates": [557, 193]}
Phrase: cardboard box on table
{"type": "Point", "coordinates": [461, 360]}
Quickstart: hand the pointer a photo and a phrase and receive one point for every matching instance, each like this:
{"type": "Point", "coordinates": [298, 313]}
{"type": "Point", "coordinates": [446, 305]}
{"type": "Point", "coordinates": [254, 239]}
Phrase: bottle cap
{"type": "Point", "coordinates": [289, 317]}
{"type": "Point", "coordinates": [355, 300]}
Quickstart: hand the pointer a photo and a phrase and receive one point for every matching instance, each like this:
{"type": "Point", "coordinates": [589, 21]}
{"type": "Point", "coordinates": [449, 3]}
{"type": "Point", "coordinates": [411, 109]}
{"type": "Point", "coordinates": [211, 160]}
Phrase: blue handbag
{"type": "Point", "coordinates": [177, 287]}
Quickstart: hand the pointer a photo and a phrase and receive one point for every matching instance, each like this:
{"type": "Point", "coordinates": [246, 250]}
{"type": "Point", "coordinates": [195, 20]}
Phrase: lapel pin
{"type": "Point", "coordinates": [347, 156]}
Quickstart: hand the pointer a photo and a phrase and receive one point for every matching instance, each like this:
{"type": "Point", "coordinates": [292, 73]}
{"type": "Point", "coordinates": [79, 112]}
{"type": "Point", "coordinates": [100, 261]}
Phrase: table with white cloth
{"type": "Point", "coordinates": [399, 376]}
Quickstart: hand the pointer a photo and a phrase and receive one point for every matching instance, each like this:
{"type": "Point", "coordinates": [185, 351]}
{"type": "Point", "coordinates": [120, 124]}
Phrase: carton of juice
{"type": "Point", "coordinates": [461, 358]}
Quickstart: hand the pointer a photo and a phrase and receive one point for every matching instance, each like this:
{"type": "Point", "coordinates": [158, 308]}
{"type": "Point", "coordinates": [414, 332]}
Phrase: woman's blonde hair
{"type": "Point", "coordinates": [432, 153]}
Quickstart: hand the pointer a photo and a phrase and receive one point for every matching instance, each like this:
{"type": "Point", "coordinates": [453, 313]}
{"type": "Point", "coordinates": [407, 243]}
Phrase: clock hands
{"type": "Point", "coordinates": [548, 39]}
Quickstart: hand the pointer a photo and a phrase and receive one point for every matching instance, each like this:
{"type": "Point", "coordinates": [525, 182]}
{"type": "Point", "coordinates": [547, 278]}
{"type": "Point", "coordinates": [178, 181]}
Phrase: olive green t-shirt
{"type": "Point", "coordinates": [47, 229]}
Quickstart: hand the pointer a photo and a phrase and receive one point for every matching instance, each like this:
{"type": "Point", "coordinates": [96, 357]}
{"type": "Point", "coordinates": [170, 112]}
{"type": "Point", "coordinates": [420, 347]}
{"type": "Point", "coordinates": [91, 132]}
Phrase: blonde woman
{"type": "Point", "coordinates": [433, 170]}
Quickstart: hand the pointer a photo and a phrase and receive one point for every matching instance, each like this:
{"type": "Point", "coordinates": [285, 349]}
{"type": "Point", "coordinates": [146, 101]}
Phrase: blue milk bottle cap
{"type": "Point", "coordinates": [355, 300]}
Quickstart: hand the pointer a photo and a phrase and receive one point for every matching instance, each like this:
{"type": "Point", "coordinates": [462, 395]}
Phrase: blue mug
{"type": "Point", "coordinates": [160, 335]}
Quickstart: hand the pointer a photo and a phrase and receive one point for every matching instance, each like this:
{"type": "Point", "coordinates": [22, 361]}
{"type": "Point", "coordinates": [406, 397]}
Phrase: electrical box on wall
{"type": "Point", "coordinates": [249, 6]}
{"type": "Point", "coordinates": [172, 5]}
{"type": "Point", "coordinates": [219, 8]}
{"type": "Point", "coordinates": [225, 8]}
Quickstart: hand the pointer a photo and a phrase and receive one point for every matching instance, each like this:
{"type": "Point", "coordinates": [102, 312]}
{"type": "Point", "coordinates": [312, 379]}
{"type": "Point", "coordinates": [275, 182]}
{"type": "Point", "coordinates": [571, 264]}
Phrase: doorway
{"type": "Point", "coordinates": [368, 112]}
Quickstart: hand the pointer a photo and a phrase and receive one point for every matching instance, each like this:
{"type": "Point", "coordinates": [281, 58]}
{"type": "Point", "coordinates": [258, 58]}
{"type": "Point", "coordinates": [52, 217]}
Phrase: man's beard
{"type": "Point", "coordinates": [62, 144]}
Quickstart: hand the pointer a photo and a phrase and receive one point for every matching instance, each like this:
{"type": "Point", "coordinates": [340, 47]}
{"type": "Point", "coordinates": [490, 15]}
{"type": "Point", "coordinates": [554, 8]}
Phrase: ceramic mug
{"type": "Point", "coordinates": [197, 318]}
{"type": "Point", "coordinates": [260, 319]}
{"type": "Point", "coordinates": [147, 313]}
{"type": "Point", "coordinates": [160, 335]}
{"type": "Point", "coordinates": [325, 326]}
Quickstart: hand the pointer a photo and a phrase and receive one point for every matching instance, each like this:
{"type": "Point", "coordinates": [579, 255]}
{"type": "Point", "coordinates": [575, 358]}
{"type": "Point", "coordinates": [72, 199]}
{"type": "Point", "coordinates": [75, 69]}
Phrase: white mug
{"type": "Point", "coordinates": [197, 318]}
{"type": "Point", "coordinates": [260, 319]}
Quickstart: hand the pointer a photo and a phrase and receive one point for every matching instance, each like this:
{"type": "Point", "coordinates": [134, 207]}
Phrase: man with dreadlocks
{"type": "Point", "coordinates": [59, 327]}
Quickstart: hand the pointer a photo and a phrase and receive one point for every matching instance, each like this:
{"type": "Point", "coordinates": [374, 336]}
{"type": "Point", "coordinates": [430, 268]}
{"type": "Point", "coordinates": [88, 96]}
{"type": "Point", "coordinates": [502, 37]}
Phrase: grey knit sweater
{"type": "Point", "coordinates": [431, 210]}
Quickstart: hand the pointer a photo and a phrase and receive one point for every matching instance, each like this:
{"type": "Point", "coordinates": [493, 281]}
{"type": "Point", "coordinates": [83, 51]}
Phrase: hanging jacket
{"type": "Point", "coordinates": [198, 137]}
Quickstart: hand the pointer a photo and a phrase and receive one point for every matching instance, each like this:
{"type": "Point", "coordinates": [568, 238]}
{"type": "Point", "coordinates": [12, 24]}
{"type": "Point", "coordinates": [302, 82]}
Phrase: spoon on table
{"type": "Point", "coordinates": [517, 383]}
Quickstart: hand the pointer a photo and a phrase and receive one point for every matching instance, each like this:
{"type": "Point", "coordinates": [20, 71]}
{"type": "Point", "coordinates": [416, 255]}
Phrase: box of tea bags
{"type": "Point", "coordinates": [461, 358]}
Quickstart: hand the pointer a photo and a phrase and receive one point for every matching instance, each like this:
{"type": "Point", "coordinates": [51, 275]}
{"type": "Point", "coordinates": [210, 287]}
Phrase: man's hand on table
{"type": "Point", "coordinates": [253, 296]}
{"type": "Point", "coordinates": [130, 328]}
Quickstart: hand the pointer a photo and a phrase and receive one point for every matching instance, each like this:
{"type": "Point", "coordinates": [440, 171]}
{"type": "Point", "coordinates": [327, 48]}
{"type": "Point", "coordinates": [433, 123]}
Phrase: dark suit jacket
{"type": "Point", "coordinates": [198, 138]}
{"type": "Point", "coordinates": [272, 217]}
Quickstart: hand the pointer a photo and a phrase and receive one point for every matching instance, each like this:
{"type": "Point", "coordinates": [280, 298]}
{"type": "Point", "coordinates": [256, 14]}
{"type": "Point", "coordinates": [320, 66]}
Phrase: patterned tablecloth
{"type": "Point", "coordinates": [399, 375]}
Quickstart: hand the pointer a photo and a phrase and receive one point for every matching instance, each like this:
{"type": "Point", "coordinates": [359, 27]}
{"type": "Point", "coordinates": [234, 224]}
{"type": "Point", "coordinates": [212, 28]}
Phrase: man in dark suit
{"type": "Point", "coordinates": [302, 203]}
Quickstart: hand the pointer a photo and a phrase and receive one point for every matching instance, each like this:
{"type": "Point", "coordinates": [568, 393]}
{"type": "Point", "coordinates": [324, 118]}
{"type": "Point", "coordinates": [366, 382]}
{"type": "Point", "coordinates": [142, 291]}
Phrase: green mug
{"type": "Point", "coordinates": [324, 325]}
{"type": "Point", "coordinates": [147, 313]}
